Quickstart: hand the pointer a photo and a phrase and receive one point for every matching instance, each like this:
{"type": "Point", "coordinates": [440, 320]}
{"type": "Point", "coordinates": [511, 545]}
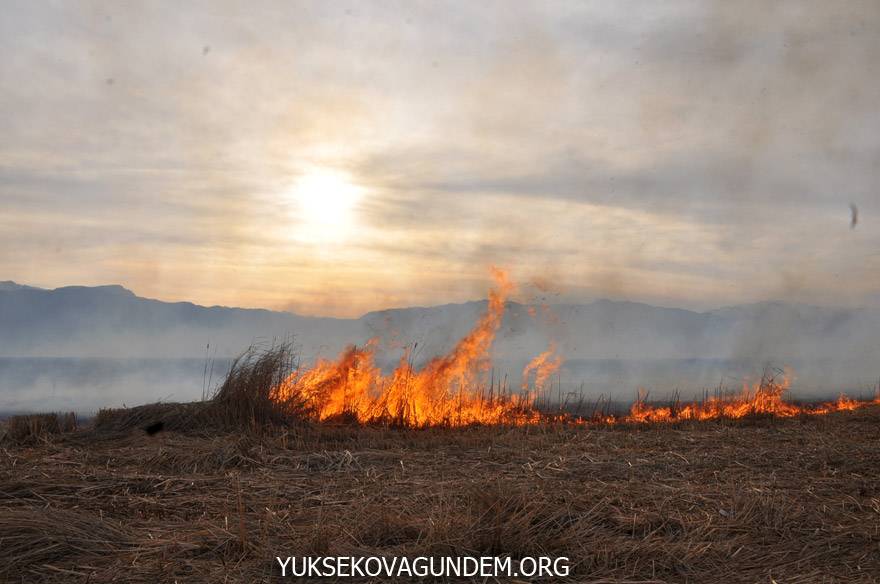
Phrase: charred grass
{"type": "Point", "coordinates": [758, 500]}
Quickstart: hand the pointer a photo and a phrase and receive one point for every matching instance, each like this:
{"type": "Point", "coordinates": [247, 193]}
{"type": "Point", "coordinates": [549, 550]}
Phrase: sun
{"type": "Point", "coordinates": [324, 203]}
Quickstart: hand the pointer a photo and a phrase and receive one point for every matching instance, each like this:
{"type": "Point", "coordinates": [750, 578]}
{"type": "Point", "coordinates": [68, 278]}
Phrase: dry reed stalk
{"type": "Point", "coordinates": [242, 530]}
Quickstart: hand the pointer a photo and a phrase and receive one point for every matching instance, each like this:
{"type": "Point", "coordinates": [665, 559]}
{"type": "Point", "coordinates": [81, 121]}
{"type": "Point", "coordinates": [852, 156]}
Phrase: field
{"type": "Point", "coordinates": [751, 500]}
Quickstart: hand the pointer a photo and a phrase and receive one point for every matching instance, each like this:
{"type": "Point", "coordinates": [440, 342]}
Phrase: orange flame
{"type": "Point", "coordinates": [765, 397]}
{"type": "Point", "coordinates": [450, 390]}
{"type": "Point", "coordinates": [544, 365]}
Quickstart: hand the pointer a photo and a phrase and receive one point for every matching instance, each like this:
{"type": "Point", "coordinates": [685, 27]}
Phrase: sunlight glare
{"type": "Point", "coordinates": [325, 202]}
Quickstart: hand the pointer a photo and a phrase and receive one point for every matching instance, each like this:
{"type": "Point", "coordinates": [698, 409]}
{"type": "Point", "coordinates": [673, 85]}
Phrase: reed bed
{"type": "Point", "coordinates": [246, 401]}
{"type": "Point", "coordinates": [32, 428]}
{"type": "Point", "coordinates": [212, 491]}
{"type": "Point", "coordinates": [760, 500]}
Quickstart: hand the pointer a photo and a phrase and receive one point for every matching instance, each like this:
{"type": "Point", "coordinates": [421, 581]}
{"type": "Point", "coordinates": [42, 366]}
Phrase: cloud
{"type": "Point", "coordinates": [684, 152]}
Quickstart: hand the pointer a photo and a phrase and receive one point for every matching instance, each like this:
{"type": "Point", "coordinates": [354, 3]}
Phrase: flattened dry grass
{"type": "Point", "coordinates": [39, 536]}
{"type": "Point", "coordinates": [793, 500]}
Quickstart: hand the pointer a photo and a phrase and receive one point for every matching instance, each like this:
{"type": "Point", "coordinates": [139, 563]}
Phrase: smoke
{"type": "Point", "coordinates": [85, 385]}
{"type": "Point", "coordinates": [608, 348]}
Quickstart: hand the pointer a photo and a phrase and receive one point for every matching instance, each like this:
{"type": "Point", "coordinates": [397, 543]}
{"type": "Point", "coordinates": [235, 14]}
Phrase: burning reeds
{"type": "Point", "coordinates": [450, 390]}
{"type": "Point", "coordinates": [453, 389]}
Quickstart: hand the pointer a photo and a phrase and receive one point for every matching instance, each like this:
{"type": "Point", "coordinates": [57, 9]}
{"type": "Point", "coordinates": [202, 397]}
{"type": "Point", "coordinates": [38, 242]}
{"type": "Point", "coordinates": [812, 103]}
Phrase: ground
{"type": "Point", "coordinates": [756, 500]}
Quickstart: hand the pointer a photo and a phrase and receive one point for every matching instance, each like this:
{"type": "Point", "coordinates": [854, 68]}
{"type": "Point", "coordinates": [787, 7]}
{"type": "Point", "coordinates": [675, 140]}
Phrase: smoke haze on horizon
{"type": "Point", "coordinates": [85, 348]}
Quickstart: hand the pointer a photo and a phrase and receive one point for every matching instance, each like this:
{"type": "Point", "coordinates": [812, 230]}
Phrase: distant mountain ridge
{"type": "Point", "coordinates": [9, 285]}
{"type": "Point", "coordinates": [113, 321]}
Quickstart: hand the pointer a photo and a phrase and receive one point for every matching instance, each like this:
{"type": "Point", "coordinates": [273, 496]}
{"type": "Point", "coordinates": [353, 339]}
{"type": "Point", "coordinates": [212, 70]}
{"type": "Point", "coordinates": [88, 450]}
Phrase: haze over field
{"type": "Point", "coordinates": [83, 348]}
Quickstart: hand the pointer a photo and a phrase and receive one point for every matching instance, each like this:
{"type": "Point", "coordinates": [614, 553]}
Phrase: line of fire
{"type": "Point", "coordinates": [460, 388]}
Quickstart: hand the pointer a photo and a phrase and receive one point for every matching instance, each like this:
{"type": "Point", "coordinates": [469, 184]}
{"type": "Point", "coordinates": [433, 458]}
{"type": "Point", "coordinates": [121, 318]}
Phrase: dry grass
{"type": "Point", "coordinates": [761, 500]}
{"type": "Point", "coordinates": [32, 428]}
{"type": "Point", "coordinates": [244, 402]}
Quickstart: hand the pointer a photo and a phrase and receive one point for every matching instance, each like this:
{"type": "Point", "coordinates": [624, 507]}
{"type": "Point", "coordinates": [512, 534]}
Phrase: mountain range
{"type": "Point", "coordinates": [80, 321]}
{"type": "Point", "coordinates": [828, 344]}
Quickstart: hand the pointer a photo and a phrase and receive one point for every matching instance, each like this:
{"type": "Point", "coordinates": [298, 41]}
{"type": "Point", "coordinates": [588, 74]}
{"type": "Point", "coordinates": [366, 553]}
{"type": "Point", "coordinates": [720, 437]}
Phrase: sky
{"type": "Point", "coordinates": [338, 157]}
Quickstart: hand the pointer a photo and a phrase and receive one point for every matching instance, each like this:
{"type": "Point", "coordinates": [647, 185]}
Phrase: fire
{"type": "Point", "coordinates": [544, 365]}
{"type": "Point", "coordinates": [451, 390]}
{"type": "Point", "coordinates": [764, 397]}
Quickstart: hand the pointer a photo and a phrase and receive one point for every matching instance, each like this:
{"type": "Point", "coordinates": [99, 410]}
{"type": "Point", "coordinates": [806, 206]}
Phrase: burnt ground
{"type": "Point", "coordinates": [759, 500]}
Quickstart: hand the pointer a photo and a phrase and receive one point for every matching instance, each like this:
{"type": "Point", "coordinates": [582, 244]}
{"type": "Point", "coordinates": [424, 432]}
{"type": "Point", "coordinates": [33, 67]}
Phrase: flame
{"type": "Point", "coordinates": [544, 365]}
{"type": "Point", "coordinates": [451, 389]}
{"type": "Point", "coordinates": [764, 397]}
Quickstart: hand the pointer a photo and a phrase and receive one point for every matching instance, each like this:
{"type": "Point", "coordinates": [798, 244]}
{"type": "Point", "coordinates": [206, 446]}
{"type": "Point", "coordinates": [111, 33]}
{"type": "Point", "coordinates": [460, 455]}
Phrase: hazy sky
{"type": "Point", "coordinates": [333, 157]}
